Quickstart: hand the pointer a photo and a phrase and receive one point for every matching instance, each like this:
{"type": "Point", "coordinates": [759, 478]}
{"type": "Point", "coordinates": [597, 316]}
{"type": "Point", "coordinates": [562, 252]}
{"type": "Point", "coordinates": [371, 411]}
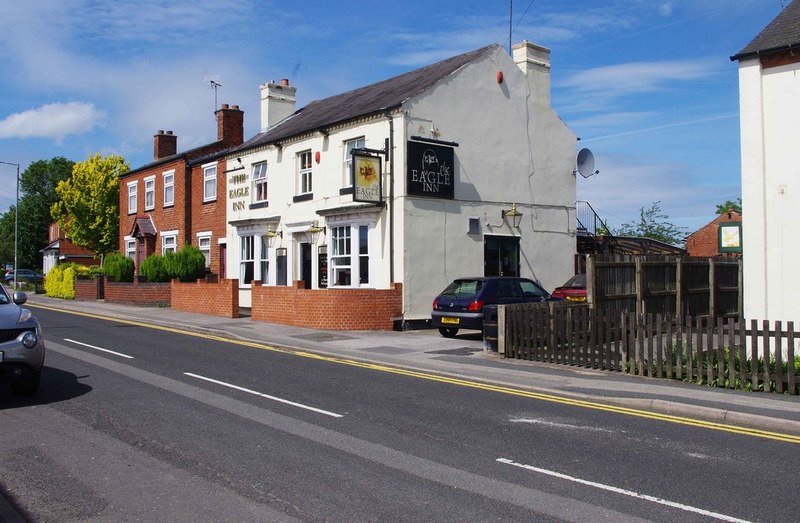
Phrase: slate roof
{"type": "Point", "coordinates": [143, 226]}
{"type": "Point", "coordinates": [364, 101]}
{"type": "Point", "coordinates": [783, 33]}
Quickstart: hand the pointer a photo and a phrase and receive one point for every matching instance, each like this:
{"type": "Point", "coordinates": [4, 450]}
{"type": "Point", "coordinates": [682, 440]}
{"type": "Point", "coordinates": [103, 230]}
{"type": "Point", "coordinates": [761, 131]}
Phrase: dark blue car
{"type": "Point", "coordinates": [460, 305]}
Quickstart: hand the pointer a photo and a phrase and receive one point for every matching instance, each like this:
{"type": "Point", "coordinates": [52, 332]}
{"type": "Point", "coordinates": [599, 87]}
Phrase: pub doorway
{"type": "Point", "coordinates": [501, 256]}
{"type": "Point", "coordinates": [305, 264]}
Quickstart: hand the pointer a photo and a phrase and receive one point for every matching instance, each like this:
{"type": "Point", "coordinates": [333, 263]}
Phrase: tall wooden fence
{"type": "Point", "coordinates": [724, 352]}
{"type": "Point", "coordinates": [676, 285]}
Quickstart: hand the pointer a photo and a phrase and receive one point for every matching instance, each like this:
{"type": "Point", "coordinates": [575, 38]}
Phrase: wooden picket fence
{"type": "Point", "coordinates": [724, 353]}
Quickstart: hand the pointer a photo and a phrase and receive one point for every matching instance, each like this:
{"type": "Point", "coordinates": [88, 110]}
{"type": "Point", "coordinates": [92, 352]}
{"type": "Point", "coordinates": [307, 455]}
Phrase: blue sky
{"type": "Point", "coordinates": [647, 85]}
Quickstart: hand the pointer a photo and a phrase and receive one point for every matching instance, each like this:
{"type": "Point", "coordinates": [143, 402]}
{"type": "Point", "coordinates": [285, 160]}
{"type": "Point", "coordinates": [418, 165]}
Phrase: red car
{"type": "Point", "coordinates": [573, 290]}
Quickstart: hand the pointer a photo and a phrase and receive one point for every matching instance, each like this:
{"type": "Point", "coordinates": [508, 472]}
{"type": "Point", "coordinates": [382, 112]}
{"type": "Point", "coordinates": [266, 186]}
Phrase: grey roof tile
{"type": "Point", "coordinates": [371, 99]}
{"type": "Point", "coordinates": [782, 33]}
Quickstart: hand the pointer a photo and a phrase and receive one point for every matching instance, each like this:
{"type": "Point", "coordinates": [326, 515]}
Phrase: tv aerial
{"type": "Point", "coordinates": [584, 164]}
{"type": "Point", "coordinates": [212, 81]}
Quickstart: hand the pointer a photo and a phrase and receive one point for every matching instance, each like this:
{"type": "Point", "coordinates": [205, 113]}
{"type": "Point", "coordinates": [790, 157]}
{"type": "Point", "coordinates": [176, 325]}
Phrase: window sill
{"type": "Point", "coordinates": [346, 190]}
{"type": "Point", "coordinates": [259, 205]}
{"type": "Point", "coordinates": [212, 200]}
{"type": "Point", "coordinates": [303, 197]}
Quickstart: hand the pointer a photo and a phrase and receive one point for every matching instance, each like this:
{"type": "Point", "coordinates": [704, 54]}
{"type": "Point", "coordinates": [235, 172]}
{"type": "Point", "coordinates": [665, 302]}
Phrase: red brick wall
{"type": "Point", "coordinates": [328, 309]}
{"type": "Point", "coordinates": [209, 216]}
{"type": "Point", "coordinates": [705, 241]}
{"type": "Point", "coordinates": [165, 219]}
{"type": "Point", "coordinates": [154, 294]}
{"type": "Point", "coordinates": [202, 297]}
{"type": "Point", "coordinates": [87, 289]}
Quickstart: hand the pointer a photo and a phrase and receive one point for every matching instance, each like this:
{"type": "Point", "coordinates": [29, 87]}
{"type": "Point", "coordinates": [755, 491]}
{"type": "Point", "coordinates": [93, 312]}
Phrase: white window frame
{"type": "Point", "coordinates": [169, 242]}
{"type": "Point", "coordinates": [304, 172]}
{"type": "Point", "coordinates": [204, 244]}
{"type": "Point", "coordinates": [259, 175]}
{"type": "Point", "coordinates": [345, 254]}
{"type": "Point", "coordinates": [349, 145]}
{"type": "Point", "coordinates": [169, 188]}
{"type": "Point", "coordinates": [133, 197]}
{"type": "Point", "coordinates": [263, 260]}
{"type": "Point", "coordinates": [130, 247]}
{"type": "Point", "coordinates": [210, 182]}
{"type": "Point", "coordinates": [149, 193]}
{"type": "Point", "coordinates": [246, 255]}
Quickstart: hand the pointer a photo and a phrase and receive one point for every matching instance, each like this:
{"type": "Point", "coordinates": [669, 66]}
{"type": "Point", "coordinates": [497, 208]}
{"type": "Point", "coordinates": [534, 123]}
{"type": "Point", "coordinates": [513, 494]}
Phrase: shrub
{"type": "Point", "coordinates": [190, 264]}
{"type": "Point", "coordinates": [60, 282]}
{"type": "Point", "coordinates": [154, 268]}
{"type": "Point", "coordinates": [118, 267]}
{"type": "Point", "coordinates": [186, 265]}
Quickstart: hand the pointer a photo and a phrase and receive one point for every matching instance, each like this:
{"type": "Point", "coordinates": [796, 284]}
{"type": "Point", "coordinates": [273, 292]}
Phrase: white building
{"type": "Point", "coordinates": [769, 94]}
{"type": "Point", "coordinates": [448, 150]}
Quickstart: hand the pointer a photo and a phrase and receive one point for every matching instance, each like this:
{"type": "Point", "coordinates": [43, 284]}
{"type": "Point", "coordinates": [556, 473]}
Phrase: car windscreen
{"type": "Point", "coordinates": [463, 288]}
{"type": "Point", "coordinates": [579, 280]}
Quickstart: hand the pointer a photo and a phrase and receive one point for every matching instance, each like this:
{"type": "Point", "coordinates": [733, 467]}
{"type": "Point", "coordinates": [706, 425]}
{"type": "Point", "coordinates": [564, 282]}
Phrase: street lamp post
{"type": "Point", "coordinates": [16, 223]}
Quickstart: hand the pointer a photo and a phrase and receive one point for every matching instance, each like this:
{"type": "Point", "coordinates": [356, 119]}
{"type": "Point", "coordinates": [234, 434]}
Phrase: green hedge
{"type": "Point", "coordinates": [119, 268]}
{"type": "Point", "coordinates": [186, 265]}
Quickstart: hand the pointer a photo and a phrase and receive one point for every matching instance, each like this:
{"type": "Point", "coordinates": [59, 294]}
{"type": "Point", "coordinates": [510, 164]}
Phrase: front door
{"type": "Point", "coordinates": [305, 264]}
{"type": "Point", "coordinates": [501, 256]}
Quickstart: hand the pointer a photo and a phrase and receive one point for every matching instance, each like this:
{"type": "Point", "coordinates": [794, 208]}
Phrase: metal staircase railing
{"type": "Point", "coordinates": [593, 233]}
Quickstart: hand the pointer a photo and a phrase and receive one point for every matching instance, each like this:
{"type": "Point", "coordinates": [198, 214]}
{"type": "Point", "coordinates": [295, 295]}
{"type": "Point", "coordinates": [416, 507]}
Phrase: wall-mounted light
{"type": "Point", "coordinates": [317, 156]}
{"type": "Point", "coordinates": [273, 234]}
{"type": "Point", "coordinates": [499, 77]}
{"type": "Point", "coordinates": [313, 230]}
{"type": "Point", "coordinates": [514, 215]}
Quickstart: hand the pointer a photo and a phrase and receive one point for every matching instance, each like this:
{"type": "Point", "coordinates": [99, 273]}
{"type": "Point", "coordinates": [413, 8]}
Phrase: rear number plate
{"type": "Point", "coordinates": [450, 321]}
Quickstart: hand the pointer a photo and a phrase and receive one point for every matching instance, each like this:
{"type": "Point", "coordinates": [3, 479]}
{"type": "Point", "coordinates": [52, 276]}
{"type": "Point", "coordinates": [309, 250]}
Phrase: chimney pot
{"type": "Point", "coordinates": [285, 81]}
{"type": "Point", "coordinates": [224, 106]}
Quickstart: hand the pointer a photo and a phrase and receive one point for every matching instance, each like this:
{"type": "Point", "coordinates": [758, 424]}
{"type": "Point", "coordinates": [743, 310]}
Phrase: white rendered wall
{"type": "Point", "coordinates": [770, 142]}
{"type": "Point", "coordinates": [512, 149]}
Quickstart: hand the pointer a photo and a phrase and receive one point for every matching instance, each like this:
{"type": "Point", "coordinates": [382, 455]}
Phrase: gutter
{"type": "Point", "coordinates": [773, 50]}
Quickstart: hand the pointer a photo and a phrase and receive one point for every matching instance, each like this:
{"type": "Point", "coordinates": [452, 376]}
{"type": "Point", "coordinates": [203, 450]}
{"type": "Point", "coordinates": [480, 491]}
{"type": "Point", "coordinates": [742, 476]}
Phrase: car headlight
{"type": "Point", "coordinates": [24, 315]}
{"type": "Point", "coordinates": [30, 340]}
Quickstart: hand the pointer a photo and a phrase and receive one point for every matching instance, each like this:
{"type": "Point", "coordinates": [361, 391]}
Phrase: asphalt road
{"type": "Point", "coordinates": [134, 424]}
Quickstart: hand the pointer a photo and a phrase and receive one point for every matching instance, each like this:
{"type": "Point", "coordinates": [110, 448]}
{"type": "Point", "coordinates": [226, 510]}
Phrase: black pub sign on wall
{"type": "Point", "coordinates": [431, 169]}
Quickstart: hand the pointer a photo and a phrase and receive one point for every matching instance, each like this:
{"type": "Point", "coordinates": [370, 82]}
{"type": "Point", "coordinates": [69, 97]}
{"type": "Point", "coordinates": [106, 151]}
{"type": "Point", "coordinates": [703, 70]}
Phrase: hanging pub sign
{"type": "Point", "coordinates": [430, 170]}
{"type": "Point", "coordinates": [367, 176]}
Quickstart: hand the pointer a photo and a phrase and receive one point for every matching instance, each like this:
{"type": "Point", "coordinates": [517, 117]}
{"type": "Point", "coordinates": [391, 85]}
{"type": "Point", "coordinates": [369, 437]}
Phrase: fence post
{"type": "Point", "coordinates": [712, 289]}
{"type": "Point", "coordinates": [590, 275]}
{"type": "Point", "coordinates": [639, 287]}
{"type": "Point", "coordinates": [741, 291]}
{"type": "Point", "coordinates": [501, 330]}
{"type": "Point", "coordinates": [678, 286]}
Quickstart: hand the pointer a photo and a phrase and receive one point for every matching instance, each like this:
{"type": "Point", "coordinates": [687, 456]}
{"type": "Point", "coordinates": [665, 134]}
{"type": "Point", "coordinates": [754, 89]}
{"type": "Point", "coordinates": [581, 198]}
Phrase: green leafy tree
{"type": "Point", "coordinates": [653, 224]}
{"type": "Point", "coordinates": [37, 187]}
{"type": "Point", "coordinates": [88, 209]}
{"type": "Point", "coordinates": [729, 205]}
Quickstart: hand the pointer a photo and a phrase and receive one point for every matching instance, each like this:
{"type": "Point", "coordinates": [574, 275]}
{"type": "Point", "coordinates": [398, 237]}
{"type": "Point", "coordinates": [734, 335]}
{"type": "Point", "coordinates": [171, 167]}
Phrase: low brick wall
{"type": "Point", "coordinates": [328, 309]}
{"type": "Point", "coordinates": [203, 297]}
{"type": "Point", "coordinates": [150, 294]}
{"type": "Point", "coordinates": [88, 289]}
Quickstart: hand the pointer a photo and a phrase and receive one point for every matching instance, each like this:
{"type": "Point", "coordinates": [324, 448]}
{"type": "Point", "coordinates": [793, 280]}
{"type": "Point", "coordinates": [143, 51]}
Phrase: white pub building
{"type": "Point", "coordinates": [460, 168]}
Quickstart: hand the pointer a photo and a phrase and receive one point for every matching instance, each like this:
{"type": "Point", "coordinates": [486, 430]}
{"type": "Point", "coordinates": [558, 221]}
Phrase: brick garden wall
{"type": "Point", "coordinates": [216, 299]}
{"type": "Point", "coordinates": [152, 294]}
{"type": "Point", "coordinates": [328, 309]}
{"type": "Point", "coordinates": [88, 289]}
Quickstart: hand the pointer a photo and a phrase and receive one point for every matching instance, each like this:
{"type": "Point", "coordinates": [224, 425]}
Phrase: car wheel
{"type": "Point", "coordinates": [448, 332]}
{"type": "Point", "coordinates": [30, 387]}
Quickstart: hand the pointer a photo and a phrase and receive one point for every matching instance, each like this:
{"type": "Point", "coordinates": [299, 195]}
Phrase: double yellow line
{"type": "Point", "coordinates": [745, 431]}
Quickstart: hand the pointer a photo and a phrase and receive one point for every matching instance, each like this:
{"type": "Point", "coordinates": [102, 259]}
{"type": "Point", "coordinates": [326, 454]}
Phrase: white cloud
{"type": "Point", "coordinates": [640, 77]}
{"type": "Point", "coordinates": [55, 121]}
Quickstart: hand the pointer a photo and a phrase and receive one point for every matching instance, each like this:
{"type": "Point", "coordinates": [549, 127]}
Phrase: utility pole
{"type": "Point", "coordinates": [16, 223]}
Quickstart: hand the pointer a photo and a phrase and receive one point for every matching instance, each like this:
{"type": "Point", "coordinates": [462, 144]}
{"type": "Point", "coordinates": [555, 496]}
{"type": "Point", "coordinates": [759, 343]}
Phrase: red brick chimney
{"type": "Point", "coordinates": [230, 125]}
{"type": "Point", "coordinates": [164, 144]}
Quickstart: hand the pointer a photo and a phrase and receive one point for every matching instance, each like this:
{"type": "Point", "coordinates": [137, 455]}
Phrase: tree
{"type": "Point", "coordinates": [653, 224]}
{"type": "Point", "coordinates": [88, 209]}
{"type": "Point", "coordinates": [729, 205]}
{"type": "Point", "coordinates": [37, 194]}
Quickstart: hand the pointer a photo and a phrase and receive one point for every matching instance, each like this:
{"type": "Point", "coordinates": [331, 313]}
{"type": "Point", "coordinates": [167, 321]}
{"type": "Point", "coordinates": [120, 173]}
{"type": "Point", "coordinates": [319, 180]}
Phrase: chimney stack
{"type": "Point", "coordinates": [534, 61]}
{"type": "Point", "coordinates": [230, 125]}
{"type": "Point", "coordinates": [277, 102]}
{"type": "Point", "coordinates": [164, 144]}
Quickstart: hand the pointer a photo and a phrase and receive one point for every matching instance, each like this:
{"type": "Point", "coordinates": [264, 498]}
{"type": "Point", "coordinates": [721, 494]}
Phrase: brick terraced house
{"type": "Point", "coordinates": [180, 198]}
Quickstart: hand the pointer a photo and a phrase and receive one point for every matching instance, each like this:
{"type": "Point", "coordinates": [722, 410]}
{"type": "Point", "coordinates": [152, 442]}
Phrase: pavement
{"type": "Point", "coordinates": [468, 358]}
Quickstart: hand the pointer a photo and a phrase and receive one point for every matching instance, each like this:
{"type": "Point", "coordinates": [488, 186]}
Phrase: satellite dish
{"type": "Point", "coordinates": [585, 163]}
